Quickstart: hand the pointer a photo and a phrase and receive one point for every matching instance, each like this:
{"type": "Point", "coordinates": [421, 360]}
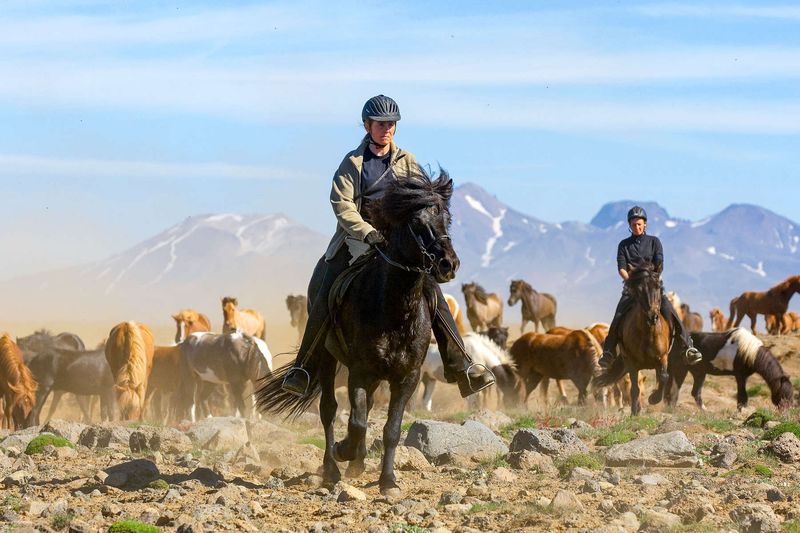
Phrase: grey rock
{"type": "Point", "coordinates": [786, 448]}
{"type": "Point", "coordinates": [448, 498]}
{"type": "Point", "coordinates": [775, 495]}
{"type": "Point", "coordinates": [494, 420]}
{"type": "Point", "coordinates": [564, 500]}
{"type": "Point", "coordinates": [580, 474]}
{"type": "Point", "coordinates": [502, 475]}
{"type": "Point", "coordinates": [19, 439]}
{"type": "Point", "coordinates": [349, 493]}
{"type": "Point", "coordinates": [553, 442]}
{"type": "Point", "coordinates": [207, 477]}
{"type": "Point", "coordinates": [220, 433]}
{"type": "Point", "coordinates": [653, 520]}
{"type": "Point", "coordinates": [95, 437]}
{"type": "Point", "coordinates": [590, 486]}
{"type": "Point", "coordinates": [724, 454]}
{"type": "Point", "coordinates": [529, 460]}
{"type": "Point", "coordinates": [17, 479]}
{"type": "Point", "coordinates": [138, 442]}
{"type": "Point", "coordinates": [68, 430]}
{"type": "Point", "coordinates": [411, 460]}
{"type": "Point", "coordinates": [663, 450]}
{"type": "Point", "coordinates": [434, 439]}
{"type": "Point", "coordinates": [171, 496]}
{"type": "Point", "coordinates": [755, 518]}
{"type": "Point", "coordinates": [650, 479]}
{"type": "Point", "coordinates": [132, 475]}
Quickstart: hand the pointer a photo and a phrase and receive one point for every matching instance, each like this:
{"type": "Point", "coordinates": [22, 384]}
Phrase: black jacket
{"type": "Point", "coordinates": [633, 250]}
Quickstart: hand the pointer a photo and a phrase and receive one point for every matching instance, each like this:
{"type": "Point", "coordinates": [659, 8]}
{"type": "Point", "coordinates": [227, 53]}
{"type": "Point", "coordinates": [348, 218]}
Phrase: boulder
{"type": "Point", "coordinates": [349, 493]}
{"type": "Point", "coordinates": [434, 438]}
{"type": "Point", "coordinates": [411, 459]}
{"type": "Point", "coordinates": [68, 430]}
{"type": "Point", "coordinates": [659, 521]}
{"type": "Point", "coordinates": [553, 442]}
{"type": "Point", "coordinates": [663, 450]}
{"type": "Point", "coordinates": [220, 433]}
{"type": "Point", "coordinates": [494, 420]}
{"type": "Point", "coordinates": [105, 435]}
{"type": "Point", "coordinates": [132, 475]}
{"type": "Point", "coordinates": [786, 448]}
{"type": "Point", "coordinates": [755, 518]}
{"type": "Point", "coordinates": [538, 462]}
{"type": "Point", "coordinates": [564, 500]}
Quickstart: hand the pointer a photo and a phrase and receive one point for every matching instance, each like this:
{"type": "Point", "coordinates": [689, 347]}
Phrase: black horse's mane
{"type": "Point", "coordinates": [407, 195]}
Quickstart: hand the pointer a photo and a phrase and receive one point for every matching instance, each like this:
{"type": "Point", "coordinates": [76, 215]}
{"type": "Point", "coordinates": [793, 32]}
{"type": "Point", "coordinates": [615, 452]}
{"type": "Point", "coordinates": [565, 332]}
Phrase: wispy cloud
{"type": "Point", "coordinates": [784, 11]}
{"type": "Point", "coordinates": [16, 166]}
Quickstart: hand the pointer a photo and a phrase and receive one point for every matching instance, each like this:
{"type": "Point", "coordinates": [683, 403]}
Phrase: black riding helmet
{"type": "Point", "coordinates": [380, 109]}
{"type": "Point", "coordinates": [637, 212]}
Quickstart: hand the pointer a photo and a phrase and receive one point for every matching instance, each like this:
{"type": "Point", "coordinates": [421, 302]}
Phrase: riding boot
{"type": "Point", "coordinates": [693, 355]}
{"type": "Point", "coordinates": [458, 365]}
{"type": "Point", "coordinates": [610, 344]}
{"type": "Point", "coordinates": [297, 378]}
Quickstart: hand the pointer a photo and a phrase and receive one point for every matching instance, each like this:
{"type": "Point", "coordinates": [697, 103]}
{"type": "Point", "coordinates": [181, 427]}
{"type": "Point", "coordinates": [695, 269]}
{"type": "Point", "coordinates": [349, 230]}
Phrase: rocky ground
{"type": "Point", "coordinates": [562, 468]}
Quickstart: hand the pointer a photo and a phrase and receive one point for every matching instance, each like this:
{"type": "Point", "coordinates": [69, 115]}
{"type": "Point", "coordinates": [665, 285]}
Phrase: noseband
{"type": "Point", "coordinates": [427, 257]}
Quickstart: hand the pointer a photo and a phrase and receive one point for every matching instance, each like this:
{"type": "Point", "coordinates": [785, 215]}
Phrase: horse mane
{"type": "Point", "coordinates": [501, 355]}
{"type": "Point", "coordinates": [480, 294]}
{"type": "Point", "coordinates": [786, 284]}
{"type": "Point", "coordinates": [126, 341]}
{"type": "Point", "coordinates": [16, 376]}
{"type": "Point", "coordinates": [596, 348]}
{"type": "Point", "coordinates": [748, 345]}
{"type": "Point", "coordinates": [407, 195]}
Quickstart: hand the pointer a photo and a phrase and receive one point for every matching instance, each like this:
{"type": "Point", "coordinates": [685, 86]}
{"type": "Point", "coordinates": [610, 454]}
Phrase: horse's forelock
{"type": "Point", "coordinates": [408, 195]}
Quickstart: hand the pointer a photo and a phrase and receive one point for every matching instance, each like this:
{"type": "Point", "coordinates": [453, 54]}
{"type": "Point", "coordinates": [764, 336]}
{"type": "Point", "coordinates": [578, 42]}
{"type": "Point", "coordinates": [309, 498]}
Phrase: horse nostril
{"type": "Point", "coordinates": [444, 266]}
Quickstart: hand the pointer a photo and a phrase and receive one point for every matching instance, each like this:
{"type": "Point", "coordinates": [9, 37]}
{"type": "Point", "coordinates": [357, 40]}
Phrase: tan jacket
{"type": "Point", "coordinates": [347, 193]}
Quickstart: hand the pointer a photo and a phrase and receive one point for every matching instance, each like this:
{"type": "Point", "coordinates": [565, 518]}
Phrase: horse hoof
{"type": "Point", "coordinates": [654, 399]}
{"type": "Point", "coordinates": [391, 492]}
{"type": "Point", "coordinates": [355, 469]}
{"type": "Point", "coordinates": [336, 455]}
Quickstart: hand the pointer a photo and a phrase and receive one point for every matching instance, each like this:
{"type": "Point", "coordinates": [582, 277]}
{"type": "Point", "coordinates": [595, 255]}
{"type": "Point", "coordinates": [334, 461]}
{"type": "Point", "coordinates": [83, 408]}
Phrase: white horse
{"type": "Point", "coordinates": [484, 352]}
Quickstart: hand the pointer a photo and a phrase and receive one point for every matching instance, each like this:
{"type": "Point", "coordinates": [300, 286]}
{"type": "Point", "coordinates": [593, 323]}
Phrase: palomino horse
{"type": "Point", "coordinates": [736, 353]}
{"type": "Point", "coordinates": [483, 310]}
{"type": "Point", "coordinates": [17, 387]}
{"type": "Point", "coordinates": [455, 310]}
{"type": "Point", "coordinates": [691, 320]}
{"type": "Point", "coordinates": [189, 321]}
{"type": "Point", "coordinates": [536, 307]}
{"type": "Point", "coordinates": [298, 312]}
{"type": "Point", "coordinates": [774, 301]}
{"type": "Point", "coordinates": [542, 356]}
{"type": "Point", "coordinates": [646, 337]}
{"type": "Point", "coordinates": [717, 319]}
{"type": "Point", "coordinates": [385, 336]}
{"type": "Point", "coordinates": [248, 321]}
{"type": "Point", "coordinates": [129, 352]}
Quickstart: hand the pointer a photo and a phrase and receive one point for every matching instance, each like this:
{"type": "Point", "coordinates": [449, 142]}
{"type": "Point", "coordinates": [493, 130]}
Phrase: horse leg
{"type": "Point", "coordinates": [753, 317]}
{"type": "Point", "coordinates": [662, 377]}
{"type": "Point", "coordinates": [400, 393]}
{"type": "Point", "coordinates": [678, 377]}
{"type": "Point", "coordinates": [237, 394]}
{"type": "Point", "coordinates": [85, 403]}
{"type": "Point", "coordinates": [57, 394]}
{"type": "Point", "coordinates": [429, 384]}
{"type": "Point", "coordinates": [543, 390]}
{"type": "Point", "coordinates": [347, 448]}
{"type": "Point", "coordinates": [741, 391]}
{"type": "Point", "coordinates": [635, 406]}
{"type": "Point", "coordinates": [697, 390]}
{"type": "Point", "coordinates": [327, 414]}
{"type": "Point", "coordinates": [357, 466]}
{"type": "Point", "coordinates": [562, 391]}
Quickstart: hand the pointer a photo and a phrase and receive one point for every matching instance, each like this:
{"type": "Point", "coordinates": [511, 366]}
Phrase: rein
{"type": "Point", "coordinates": [427, 256]}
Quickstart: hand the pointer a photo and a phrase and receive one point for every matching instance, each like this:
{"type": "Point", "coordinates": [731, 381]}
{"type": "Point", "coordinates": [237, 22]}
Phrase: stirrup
{"type": "Point", "coordinates": [308, 380]}
{"type": "Point", "coordinates": [469, 381]}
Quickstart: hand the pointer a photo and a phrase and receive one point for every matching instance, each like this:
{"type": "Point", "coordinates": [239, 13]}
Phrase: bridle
{"type": "Point", "coordinates": [428, 259]}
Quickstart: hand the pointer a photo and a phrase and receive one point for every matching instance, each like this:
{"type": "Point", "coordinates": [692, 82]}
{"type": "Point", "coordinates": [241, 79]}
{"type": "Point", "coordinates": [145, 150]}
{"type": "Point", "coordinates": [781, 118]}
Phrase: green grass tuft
{"type": "Point", "coordinates": [159, 484]}
{"type": "Point", "coordinates": [780, 429]}
{"type": "Point", "coordinates": [616, 437]}
{"type": "Point", "coordinates": [759, 389]}
{"type": "Point", "coordinates": [405, 528]}
{"type": "Point", "coordinates": [522, 422]}
{"type": "Point", "coordinates": [61, 521]}
{"type": "Point", "coordinates": [757, 470]}
{"type": "Point", "coordinates": [484, 507]}
{"type": "Point", "coordinates": [718, 425]}
{"type": "Point", "coordinates": [760, 417]}
{"type": "Point", "coordinates": [584, 460]}
{"type": "Point", "coordinates": [319, 442]}
{"type": "Point", "coordinates": [37, 444]}
{"type": "Point", "coordinates": [132, 526]}
{"type": "Point", "coordinates": [791, 526]}
{"type": "Point", "coordinates": [11, 502]}
{"type": "Point", "coordinates": [496, 462]}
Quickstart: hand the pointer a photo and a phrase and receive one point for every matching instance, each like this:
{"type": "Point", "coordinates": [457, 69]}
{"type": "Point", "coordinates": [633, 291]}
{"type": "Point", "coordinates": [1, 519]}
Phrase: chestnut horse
{"type": "Point", "coordinates": [298, 313]}
{"type": "Point", "coordinates": [536, 306]}
{"type": "Point", "coordinates": [248, 321]}
{"type": "Point", "coordinates": [189, 321]}
{"type": "Point", "coordinates": [572, 356]}
{"type": "Point", "coordinates": [17, 386]}
{"type": "Point", "coordinates": [717, 319]}
{"type": "Point", "coordinates": [691, 320]}
{"type": "Point", "coordinates": [164, 382]}
{"type": "Point", "coordinates": [129, 352]}
{"type": "Point", "coordinates": [779, 328]}
{"type": "Point", "coordinates": [645, 339]}
{"type": "Point", "coordinates": [774, 301]}
{"type": "Point", "coordinates": [455, 310]}
{"type": "Point", "coordinates": [483, 310]}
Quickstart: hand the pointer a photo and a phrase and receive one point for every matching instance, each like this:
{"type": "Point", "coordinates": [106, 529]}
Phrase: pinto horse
{"type": "Point", "coordinates": [645, 339]}
{"type": "Point", "coordinates": [483, 310]}
{"type": "Point", "coordinates": [736, 353]}
{"type": "Point", "coordinates": [384, 336]}
{"type": "Point", "coordinates": [774, 301]}
{"type": "Point", "coordinates": [717, 319]}
{"type": "Point", "coordinates": [248, 321]}
{"type": "Point", "coordinates": [298, 312]}
{"type": "Point", "coordinates": [189, 321]}
{"type": "Point", "coordinates": [129, 352]}
{"type": "Point", "coordinates": [536, 306]}
{"type": "Point", "coordinates": [17, 387]}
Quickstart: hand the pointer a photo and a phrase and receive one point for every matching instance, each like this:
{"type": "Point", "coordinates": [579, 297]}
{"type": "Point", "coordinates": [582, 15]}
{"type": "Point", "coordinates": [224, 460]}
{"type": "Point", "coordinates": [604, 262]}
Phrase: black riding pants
{"type": "Point", "coordinates": [624, 305]}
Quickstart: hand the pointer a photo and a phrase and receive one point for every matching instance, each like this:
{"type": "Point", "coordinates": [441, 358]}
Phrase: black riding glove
{"type": "Point", "coordinates": [375, 239]}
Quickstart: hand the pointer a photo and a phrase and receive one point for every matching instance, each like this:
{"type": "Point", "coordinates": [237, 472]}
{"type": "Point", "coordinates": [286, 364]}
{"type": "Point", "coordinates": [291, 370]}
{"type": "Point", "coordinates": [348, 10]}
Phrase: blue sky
{"type": "Point", "coordinates": [120, 119]}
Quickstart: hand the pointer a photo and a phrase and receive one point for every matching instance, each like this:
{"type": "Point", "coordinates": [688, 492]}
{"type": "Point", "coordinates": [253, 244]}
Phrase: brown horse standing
{"type": "Point", "coordinates": [248, 321]}
{"type": "Point", "coordinates": [455, 310]}
{"type": "Point", "coordinates": [645, 338]}
{"type": "Point", "coordinates": [572, 356]}
{"type": "Point", "coordinates": [779, 328]}
{"type": "Point", "coordinates": [691, 320]}
{"type": "Point", "coordinates": [17, 386]}
{"type": "Point", "coordinates": [774, 301]}
{"type": "Point", "coordinates": [536, 306]}
{"type": "Point", "coordinates": [483, 310]}
{"type": "Point", "coordinates": [298, 313]}
{"type": "Point", "coordinates": [717, 319]}
{"type": "Point", "coordinates": [189, 321]}
{"type": "Point", "coordinates": [164, 382]}
{"type": "Point", "coordinates": [129, 352]}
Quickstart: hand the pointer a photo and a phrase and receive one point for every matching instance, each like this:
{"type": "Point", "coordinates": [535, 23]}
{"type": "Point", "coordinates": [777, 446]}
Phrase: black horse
{"type": "Point", "coordinates": [41, 340]}
{"type": "Point", "coordinates": [383, 323]}
{"type": "Point", "coordinates": [83, 373]}
{"type": "Point", "coordinates": [738, 353]}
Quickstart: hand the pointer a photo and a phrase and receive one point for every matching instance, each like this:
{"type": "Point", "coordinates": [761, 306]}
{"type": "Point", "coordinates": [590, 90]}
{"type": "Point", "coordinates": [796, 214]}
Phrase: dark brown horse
{"type": "Point", "coordinates": [382, 326]}
{"type": "Point", "coordinates": [483, 310]}
{"type": "Point", "coordinates": [774, 301]}
{"type": "Point", "coordinates": [536, 306]}
{"type": "Point", "coordinates": [17, 386]}
{"type": "Point", "coordinates": [735, 353]}
{"type": "Point", "coordinates": [298, 313]}
{"type": "Point", "coordinates": [645, 339]}
{"type": "Point", "coordinates": [542, 356]}
{"type": "Point", "coordinates": [691, 320]}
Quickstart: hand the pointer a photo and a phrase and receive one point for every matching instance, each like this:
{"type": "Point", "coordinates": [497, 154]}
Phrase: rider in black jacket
{"type": "Point", "coordinates": [632, 251]}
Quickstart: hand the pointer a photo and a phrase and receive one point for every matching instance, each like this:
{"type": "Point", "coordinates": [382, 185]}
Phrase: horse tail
{"type": "Point", "coordinates": [612, 374]}
{"type": "Point", "coordinates": [271, 398]}
{"type": "Point", "coordinates": [126, 345]}
{"type": "Point", "coordinates": [733, 313]}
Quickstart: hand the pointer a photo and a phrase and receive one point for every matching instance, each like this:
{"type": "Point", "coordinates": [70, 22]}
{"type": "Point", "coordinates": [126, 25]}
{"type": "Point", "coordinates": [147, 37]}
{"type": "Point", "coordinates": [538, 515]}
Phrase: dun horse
{"type": "Point", "coordinates": [646, 337]}
{"type": "Point", "coordinates": [735, 353]}
{"type": "Point", "coordinates": [536, 307]}
{"type": "Point", "coordinates": [774, 301]}
{"type": "Point", "coordinates": [717, 319]}
{"type": "Point", "coordinates": [483, 310]}
{"type": "Point", "coordinates": [17, 387]}
{"type": "Point", "coordinates": [691, 320]}
{"type": "Point", "coordinates": [381, 329]}
{"type": "Point", "coordinates": [298, 312]}
{"type": "Point", "coordinates": [129, 351]}
{"type": "Point", "coordinates": [189, 321]}
{"type": "Point", "coordinates": [248, 321]}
